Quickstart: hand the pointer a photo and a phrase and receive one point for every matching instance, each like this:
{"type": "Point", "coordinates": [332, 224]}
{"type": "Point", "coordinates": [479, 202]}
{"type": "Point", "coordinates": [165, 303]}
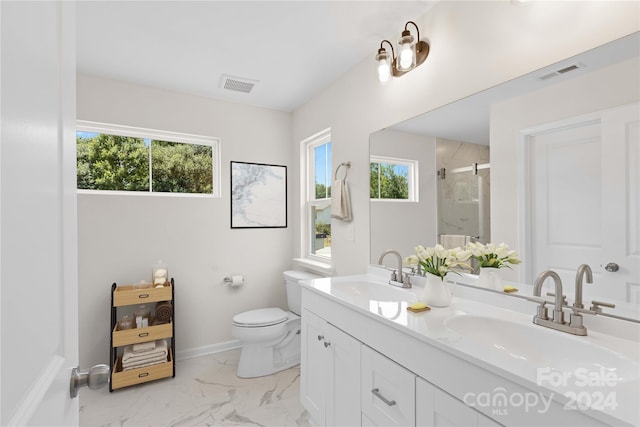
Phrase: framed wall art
{"type": "Point", "coordinates": [258, 195]}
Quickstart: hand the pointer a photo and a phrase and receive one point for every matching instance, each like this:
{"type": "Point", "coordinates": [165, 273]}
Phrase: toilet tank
{"type": "Point", "coordinates": [292, 280]}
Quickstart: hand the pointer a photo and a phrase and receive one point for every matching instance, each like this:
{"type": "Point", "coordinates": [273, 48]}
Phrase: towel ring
{"type": "Point", "coordinates": [346, 165]}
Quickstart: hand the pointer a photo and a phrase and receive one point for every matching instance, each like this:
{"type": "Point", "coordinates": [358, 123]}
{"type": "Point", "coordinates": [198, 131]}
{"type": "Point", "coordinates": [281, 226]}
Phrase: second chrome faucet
{"type": "Point", "coordinates": [574, 326]}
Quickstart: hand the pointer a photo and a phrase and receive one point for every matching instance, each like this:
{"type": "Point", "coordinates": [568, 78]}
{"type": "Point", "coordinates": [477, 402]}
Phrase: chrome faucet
{"type": "Point", "coordinates": [582, 270]}
{"type": "Point", "coordinates": [541, 318]}
{"type": "Point", "coordinates": [558, 315]}
{"type": "Point", "coordinates": [397, 277]}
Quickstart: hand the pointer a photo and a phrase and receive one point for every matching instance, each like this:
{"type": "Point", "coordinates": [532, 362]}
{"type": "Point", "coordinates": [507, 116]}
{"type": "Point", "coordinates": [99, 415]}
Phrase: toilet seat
{"type": "Point", "coordinates": [260, 317]}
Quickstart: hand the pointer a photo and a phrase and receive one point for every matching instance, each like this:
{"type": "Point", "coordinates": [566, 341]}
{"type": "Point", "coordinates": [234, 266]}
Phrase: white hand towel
{"type": "Point", "coordinates": [450, 241]}
{"type": "Point", "coordinates": [340, 201]}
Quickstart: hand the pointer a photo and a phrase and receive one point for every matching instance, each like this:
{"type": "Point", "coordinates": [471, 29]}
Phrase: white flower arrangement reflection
{"type": "Point", "coordinates": [439, 261]}
{"type": "Point", "coordinates": [492, 255]}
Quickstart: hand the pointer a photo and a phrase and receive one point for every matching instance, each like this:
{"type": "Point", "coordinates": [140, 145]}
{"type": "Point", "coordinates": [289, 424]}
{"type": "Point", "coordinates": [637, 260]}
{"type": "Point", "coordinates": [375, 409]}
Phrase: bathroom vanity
{"type": "Point", "coordinates": [367, 360]}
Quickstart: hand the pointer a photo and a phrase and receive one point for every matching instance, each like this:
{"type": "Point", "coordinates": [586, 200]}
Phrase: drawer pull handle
{"type": "Point", "coordinates": [376, 392]}
{"type": "Point", "coordinates": [327, 344]}
{"type": "Point", "coordinates": [144, 374]}
{"type": "Point", "coordinates": [143, 296]}
{"type": "Point", "coordinates": [143, 334]}
{"type": "Point", "coordinates": [320, 337]}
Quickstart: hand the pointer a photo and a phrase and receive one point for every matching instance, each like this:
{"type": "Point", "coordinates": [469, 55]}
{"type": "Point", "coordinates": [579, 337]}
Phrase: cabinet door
{"type": "Point", "coordinates": [436, 408]}
{"type": "Point", "coordinates": [343, 392]}
{"type": "Point", "coordinates": [388, 390]}
{"type": "Point", "coordinates": [314, 367]}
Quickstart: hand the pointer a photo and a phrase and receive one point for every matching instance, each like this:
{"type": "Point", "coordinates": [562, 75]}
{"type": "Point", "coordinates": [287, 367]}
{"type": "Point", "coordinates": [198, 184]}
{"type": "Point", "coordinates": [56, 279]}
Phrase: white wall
{"type": "Point", "coordinates": [121, 236]}
{"type": "Point", "coordinates": [606, 88]}
{"type": "Point", "coordinates": [474, 45]}
{"type": "Point", "coordinates": [393, 220]}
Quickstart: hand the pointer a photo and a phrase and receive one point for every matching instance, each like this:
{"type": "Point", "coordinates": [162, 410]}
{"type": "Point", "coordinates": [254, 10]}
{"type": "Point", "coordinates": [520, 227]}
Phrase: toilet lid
{"type": "Point", "coordinates": [260, 317]}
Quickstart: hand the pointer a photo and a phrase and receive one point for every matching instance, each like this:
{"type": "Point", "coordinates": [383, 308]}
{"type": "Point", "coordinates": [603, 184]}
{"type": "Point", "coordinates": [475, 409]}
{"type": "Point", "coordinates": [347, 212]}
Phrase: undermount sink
{"type": "Point", "coordinates": [364, 291]}
{"type": "Point", "coordinates": [544, 348]}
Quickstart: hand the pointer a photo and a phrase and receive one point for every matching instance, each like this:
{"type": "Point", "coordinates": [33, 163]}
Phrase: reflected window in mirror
{"type": "Point", "coordinates": [316, 220]}
{"type": "Point", "coordinates": [393, 179]}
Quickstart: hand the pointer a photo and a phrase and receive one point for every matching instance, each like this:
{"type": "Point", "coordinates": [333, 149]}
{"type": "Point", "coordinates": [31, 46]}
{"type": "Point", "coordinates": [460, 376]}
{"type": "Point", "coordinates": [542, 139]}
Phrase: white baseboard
{"type": "Point", "coordinates": [207, 349]}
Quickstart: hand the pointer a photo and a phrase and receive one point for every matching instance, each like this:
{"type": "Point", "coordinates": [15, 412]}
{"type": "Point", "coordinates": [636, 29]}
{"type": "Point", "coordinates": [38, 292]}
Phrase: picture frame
{"type": "Point", "coordinates": [258, 195]}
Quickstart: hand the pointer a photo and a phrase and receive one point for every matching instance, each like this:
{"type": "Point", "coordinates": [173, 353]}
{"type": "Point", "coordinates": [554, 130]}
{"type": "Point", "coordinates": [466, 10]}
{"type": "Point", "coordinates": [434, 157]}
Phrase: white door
{"type": "Point", "coordinates": [38, 259]}
{"type": "Point", "coordinates": [585, 206]}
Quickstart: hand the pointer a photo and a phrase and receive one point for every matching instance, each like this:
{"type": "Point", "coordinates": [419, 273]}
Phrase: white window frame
{"type": "Point", "coordinates": [310, 260]}
{"type": "Point", "coordinates": [412, 177]}
{"type": "Point", "coordinates": [159, 135]}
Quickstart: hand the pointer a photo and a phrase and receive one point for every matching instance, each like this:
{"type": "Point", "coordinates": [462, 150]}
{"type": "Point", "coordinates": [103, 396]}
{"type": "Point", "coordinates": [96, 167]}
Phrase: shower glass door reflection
{"type": "Point", "coordinates": [463, 202]}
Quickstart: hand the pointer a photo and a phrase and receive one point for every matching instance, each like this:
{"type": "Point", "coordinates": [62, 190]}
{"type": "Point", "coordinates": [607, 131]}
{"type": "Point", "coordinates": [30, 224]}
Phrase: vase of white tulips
{"type": "Point", "coordinates": [436, 263]}
{"type": "Point", "coordinates": [491, 258]}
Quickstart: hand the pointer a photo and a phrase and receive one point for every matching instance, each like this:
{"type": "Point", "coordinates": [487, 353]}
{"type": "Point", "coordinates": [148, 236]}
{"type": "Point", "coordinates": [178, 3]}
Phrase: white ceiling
{"type": "Point", "coordinates": [293, 49]}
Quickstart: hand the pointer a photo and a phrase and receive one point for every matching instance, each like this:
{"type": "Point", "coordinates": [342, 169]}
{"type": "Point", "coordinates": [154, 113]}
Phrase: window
{"type": "Point", "coordinates": [120, 158]}
{"type": "Point", "coordinates": [393, 179]}
{"type": "Point", "coordinates": [316, 228]}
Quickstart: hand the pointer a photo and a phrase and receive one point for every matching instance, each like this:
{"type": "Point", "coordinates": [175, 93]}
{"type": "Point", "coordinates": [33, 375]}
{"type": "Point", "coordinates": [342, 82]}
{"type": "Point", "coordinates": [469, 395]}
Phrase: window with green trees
{"type": "Point", "coordinates": [134, 162]}
{"type": "Point", "coordinates": [316, 219]}
{"type": "Point", "coordinates": [392, 179]}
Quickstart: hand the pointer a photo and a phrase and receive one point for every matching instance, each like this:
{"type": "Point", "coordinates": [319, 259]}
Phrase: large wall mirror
{"type": "Point", "coordinates": [450, 148]}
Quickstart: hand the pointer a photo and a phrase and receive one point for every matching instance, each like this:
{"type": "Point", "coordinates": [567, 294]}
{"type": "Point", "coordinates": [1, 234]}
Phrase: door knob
{"type": "Point", "coordinates": [612, 267]}
{"type": "Point", "coordinates": [96, 378]}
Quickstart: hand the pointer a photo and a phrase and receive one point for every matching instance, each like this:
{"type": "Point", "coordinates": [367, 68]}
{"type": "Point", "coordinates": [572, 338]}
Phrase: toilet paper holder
{"type": "Point", "coordinates": [235, 280]}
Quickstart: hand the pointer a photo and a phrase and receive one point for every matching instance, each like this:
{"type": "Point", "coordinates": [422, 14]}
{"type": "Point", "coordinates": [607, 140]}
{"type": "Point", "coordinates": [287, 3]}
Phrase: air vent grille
{"type": "Point", "coordinates": [237, 84]}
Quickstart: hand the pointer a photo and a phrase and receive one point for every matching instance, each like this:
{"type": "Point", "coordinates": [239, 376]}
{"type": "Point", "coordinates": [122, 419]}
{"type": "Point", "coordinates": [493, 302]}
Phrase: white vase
{"type": "Point", "coordinates": [436, 291]}
{"type": "Point", "coordinates": [490, 278]}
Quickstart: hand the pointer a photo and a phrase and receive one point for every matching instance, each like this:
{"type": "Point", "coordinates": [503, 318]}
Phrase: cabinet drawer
{"type": "Point", "coordinates": [129, 295]}
{"type": "Point", "coordinates": [120, 378]}
{"type": "Point", "coordinates": [388, 391]}
{"type": "Point", "coordinates": [138, 335]}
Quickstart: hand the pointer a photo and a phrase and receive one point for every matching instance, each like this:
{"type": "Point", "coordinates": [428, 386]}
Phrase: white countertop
{"type": "Point", "coordinates": [599, 369]}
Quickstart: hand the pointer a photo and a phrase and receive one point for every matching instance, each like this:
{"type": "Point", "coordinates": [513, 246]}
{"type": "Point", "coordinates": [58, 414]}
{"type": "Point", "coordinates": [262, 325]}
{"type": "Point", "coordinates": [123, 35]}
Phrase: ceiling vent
{"type": "Point", "coordinates": [238, 84]}
{"type": "Point", "coordinates": [561, 71]}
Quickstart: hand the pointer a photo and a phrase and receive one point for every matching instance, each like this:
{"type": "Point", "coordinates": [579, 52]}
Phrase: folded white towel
{"type": "Point", "coordinates": [129, 356]}
{"type": "Point", "coordinates": [145, 364]}
{"type": "Point", "coordinates": [144, 346]}
{"type": "Point", "coordinates": [450, 241]}
{"type": "Point", "coordinates": [340, 200]}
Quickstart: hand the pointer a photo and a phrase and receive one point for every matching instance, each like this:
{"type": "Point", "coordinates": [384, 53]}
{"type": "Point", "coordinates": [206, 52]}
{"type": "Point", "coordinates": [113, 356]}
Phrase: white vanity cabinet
{"type": "Point", "coordinates": [330, 373]}
{"type": "Point", "coordinates": [388, 391]}
{"type": "Point", "coordinates": [436, 408]}
{"type": "Point", "coordinates": [347, 352]}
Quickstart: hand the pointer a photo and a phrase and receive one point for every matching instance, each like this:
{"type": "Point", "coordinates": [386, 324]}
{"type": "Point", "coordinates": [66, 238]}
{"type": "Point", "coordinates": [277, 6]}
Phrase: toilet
{"type": "Point", "coordinates": [270, 337]}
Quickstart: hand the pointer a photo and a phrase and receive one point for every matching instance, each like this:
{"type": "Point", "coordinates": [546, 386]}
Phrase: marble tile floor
{"type": "Point", "coordinates": [204, 392]}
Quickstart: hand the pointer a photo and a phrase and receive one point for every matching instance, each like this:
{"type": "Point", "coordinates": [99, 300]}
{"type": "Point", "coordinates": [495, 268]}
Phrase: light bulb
{"type": "Point", "coordinates": [384, 66]}
{"type": "Point", "coordinates": [407, 55]}
{"type": "Point", "coordinates": [384, 73]}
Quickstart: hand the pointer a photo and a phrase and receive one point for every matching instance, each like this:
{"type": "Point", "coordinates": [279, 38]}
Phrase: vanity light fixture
{"type": "Point", "coordinates": [412, 52]}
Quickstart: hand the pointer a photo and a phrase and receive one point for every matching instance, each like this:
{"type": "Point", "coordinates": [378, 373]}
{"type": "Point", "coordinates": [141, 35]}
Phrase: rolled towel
{"type": "Point", "coordinates": [164, 311]}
